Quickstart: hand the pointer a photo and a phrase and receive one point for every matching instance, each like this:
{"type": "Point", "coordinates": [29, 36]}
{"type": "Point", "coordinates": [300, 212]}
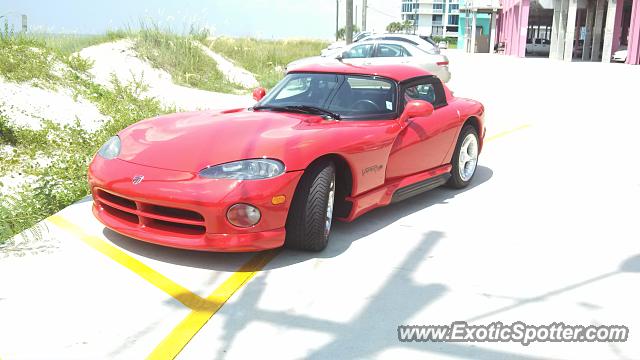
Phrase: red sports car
{"type": "Point", "coordinates": [329, 141]}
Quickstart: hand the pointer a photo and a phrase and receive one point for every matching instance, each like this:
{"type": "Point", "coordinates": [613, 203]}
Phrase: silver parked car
{"type": "Point", "coordinates": [382, 52]}
{"type": "Point", "coordinates": [422, 42]}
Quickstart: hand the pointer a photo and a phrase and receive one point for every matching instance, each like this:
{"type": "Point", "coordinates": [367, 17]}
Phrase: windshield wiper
{"type": "Point", "coordinates": [305, 109]}
{"type": "Point", "coordinates": [315, 110]}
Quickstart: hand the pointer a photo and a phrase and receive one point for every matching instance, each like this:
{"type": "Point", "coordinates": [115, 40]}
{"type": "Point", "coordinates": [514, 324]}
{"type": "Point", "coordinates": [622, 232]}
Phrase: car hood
{"type": "Point", "coordinates": [192, 141]}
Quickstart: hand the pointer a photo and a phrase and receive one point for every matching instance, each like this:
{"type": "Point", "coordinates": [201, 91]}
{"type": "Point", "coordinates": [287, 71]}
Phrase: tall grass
{"type": "Point", "coordinates": [67, 44]}
{"type": "Point", "coordinates": [180, 57]}
{"type": "Point", "coordinates": [61, 179]}
{"type": "Point", "coordinates": [35, 58]}
{"type": "Point", "coordinates": [265, 58]}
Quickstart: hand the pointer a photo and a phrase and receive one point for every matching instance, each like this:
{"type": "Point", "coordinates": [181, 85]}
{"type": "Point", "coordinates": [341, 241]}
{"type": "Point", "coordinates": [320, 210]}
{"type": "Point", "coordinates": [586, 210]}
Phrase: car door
{"type": "Point", "coordinates": [424, 141]}
{"type": "Point", "coordinates": [389, 54]}
{"type": "Point", "coordinates": [358, 54]}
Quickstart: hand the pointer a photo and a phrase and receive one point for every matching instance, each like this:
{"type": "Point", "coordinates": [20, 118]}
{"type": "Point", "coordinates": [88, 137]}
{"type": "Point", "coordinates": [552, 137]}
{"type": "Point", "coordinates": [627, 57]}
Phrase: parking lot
{"type": "Point", "coordinates": [547, 232]}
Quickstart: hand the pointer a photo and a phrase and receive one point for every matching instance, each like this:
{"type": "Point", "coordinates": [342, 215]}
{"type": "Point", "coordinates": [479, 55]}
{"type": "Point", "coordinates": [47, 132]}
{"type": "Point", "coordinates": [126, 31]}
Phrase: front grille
{"type": "Point", "coordinates": [161, 218]}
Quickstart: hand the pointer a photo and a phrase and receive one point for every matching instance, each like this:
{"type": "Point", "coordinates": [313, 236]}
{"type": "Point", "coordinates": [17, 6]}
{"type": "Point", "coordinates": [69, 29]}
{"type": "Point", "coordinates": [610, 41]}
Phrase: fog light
{"type": "Point", "coordinates": [243, 215]}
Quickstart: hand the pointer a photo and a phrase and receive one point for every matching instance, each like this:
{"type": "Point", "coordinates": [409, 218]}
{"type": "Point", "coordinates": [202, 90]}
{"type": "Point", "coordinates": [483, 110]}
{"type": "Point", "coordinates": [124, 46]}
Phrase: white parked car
{"type": "Point", "coordinates": [340, 44]}
{"type": "Point", "coordinates": [380, 52]}
{"type": "Point", "coordinates": [426, 43]}
{"type": "Point", "coordinates": [423, 42]}
{"type": "Point", "coordinates": [620, 55]}
{"type": "Point", "coordinates": [538, 46]}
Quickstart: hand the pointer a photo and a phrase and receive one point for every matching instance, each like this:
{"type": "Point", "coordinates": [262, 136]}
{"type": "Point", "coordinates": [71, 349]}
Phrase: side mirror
{"type": "Point", "coordinates": [416, 108]}
{"type": "Point", "coordinates": [340, 56]}
{"type": "Point", "coordinates": [259, 93]}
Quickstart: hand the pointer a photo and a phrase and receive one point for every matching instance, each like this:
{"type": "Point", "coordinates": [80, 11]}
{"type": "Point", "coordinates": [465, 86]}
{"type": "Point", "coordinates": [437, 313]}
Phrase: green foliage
{"type": "Point", "coordinates": [180, 57]}
{"type": "Point", "coordinates": [67, 149]}
{"type": "Point", "coordinates": [68, 44]}
{"type": "Point", "coordinates": [450, 40]}
{"type": "Point", "coordinates": [26, 59]}
{"type": "Point", "coordinates": [7, 133]}
{"type": "Point", "coordinates": [265, 58]}
{"type": "Point", "coordinates": [397, 26]}
{"type": "Point", "coordinates": [342, 32]}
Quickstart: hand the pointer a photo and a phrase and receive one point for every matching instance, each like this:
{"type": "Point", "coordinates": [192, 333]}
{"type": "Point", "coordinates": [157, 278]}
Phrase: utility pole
{"type": "Point", "coordinates": [364, 15]}
{"type": "Point", "coordinates": [349, 28]}
{"type": "Point", "coordinates": [337, 17]}
{"type": "Point", "coordinates": [355, 13]}
{"type": "Point", "coordinates": [415, 17]}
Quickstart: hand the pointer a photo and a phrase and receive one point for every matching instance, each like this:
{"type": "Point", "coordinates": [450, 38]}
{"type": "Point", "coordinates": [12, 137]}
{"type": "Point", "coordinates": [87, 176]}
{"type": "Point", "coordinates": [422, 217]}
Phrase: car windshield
{"type": "Point", "coordinates": [353, 97]}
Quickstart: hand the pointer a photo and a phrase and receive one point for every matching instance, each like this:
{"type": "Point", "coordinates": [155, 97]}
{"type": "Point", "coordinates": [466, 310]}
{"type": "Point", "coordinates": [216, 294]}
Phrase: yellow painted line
{"type": "Point", "coordinates": [165, 284]}
{"type": "Point", "coordinates": [180, 336]}
{"type": "Point", "coordinates": [507, 132]}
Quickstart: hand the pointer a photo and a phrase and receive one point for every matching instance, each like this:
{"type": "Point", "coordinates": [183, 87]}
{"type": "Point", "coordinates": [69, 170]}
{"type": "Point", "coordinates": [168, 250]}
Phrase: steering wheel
{"type": "Point", "coordinates": [365, 105]}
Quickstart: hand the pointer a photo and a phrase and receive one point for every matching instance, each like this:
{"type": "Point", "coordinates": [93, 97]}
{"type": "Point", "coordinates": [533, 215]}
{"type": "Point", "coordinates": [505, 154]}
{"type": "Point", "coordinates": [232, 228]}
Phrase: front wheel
{"type": "Point", "coordinates": [311, 212]}
{"type": "Point", "coordinates": [465, 158]}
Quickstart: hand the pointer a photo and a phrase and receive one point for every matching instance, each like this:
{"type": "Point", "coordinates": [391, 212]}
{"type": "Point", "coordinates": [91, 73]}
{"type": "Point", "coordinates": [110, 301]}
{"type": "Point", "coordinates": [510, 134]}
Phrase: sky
{"type": "Point", "coordinates": [258, 18]}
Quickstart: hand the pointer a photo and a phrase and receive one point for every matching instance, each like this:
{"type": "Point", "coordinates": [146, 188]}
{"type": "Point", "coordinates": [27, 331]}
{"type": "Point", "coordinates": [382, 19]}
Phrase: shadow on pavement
{"type": "Point", "coordinates": [631, 265]}
{"type": "Point", "coordinates": [372, 329]}
{"type": "Point", "coordinates": [342, 236]}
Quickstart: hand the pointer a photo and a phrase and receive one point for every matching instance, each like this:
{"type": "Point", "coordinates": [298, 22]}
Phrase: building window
{"type": "Point", "coordinates": [437, 31]}
{"type": "Point", "coordinates": [453, 20]}
{"type": "Point", "coordinates": [453, 7]}
{"type": "Point", "coordinates": [436, 19]}
{"type": "Point", "coordinates": [408, 7]}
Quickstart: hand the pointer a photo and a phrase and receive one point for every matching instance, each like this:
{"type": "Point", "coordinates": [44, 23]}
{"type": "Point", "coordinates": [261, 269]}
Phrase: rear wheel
{"type": "Point", "coordinates": [465, 159]}
{"type": "Point", "coordinates": [310, 215]}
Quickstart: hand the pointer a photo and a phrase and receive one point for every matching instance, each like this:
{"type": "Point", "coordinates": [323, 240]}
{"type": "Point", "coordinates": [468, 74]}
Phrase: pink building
{"type": "Point", "coordinates": [587, 30]}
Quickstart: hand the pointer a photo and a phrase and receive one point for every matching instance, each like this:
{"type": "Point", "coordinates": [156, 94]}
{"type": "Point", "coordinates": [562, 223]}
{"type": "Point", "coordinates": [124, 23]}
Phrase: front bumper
{"type": "Point", "coordinates": [182, 210]}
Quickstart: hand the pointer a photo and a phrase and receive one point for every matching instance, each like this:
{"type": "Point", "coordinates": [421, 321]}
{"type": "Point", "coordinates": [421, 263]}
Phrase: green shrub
{"type": "Point", "coordinates": [26, 59]}
{"type": "Point", "coordinates": [7, 132]}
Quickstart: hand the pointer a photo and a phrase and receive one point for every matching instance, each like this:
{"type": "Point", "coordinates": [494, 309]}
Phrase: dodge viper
{"type": "Point", "coordinates": [330, 141]}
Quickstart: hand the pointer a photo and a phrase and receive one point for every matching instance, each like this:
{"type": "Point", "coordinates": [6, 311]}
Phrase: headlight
{"type": "Point", "coordinates": [110, 149]}
{"type": "Point", "coordinates": [245, 170]}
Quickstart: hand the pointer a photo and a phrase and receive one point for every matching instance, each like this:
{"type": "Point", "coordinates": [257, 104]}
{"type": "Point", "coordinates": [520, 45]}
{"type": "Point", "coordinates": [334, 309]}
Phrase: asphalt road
{"type": "Point", "coordinates": [546, 233]}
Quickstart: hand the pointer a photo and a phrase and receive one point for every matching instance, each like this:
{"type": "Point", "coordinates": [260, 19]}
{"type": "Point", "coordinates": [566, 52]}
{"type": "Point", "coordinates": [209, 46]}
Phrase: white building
{"type": "Point", "coordinates": [433, 17]}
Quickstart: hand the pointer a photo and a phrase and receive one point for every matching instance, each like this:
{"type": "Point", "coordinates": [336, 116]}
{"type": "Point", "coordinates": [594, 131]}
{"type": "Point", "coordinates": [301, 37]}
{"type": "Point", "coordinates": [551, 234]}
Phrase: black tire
{"type": "Point", "coordinates": [456, 181]}
{"type": "Point", "coordinates": [306, 221]}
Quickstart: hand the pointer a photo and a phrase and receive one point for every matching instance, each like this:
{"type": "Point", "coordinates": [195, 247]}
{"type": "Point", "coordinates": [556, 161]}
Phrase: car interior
{"type": "Point", "coordinates": [357, 95]}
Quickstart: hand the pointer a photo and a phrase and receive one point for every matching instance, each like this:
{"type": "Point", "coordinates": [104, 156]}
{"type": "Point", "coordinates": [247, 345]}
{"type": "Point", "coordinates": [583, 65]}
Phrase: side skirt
{"type": "Point", "coordinates": [395, 190]}
{"type": "Point", "coordinates": [419, 187]}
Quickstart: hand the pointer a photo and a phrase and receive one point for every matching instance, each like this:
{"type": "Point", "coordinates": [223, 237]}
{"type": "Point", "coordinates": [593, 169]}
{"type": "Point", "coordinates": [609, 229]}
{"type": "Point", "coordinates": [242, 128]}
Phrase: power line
{"type": "Point", "coordinates": [380, 12]}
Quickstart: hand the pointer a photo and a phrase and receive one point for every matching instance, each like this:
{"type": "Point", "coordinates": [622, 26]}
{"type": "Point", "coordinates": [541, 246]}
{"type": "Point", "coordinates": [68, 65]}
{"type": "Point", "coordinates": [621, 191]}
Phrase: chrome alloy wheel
{"type": "Point", "coordinates": [468, 158]}
{"type": "Point", "coordinates": [329, 216]}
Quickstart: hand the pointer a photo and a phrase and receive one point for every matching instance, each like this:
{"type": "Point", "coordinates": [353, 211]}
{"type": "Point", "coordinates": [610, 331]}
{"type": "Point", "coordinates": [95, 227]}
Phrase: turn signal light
{"type": "Point", "coordinates": [277, 200]}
